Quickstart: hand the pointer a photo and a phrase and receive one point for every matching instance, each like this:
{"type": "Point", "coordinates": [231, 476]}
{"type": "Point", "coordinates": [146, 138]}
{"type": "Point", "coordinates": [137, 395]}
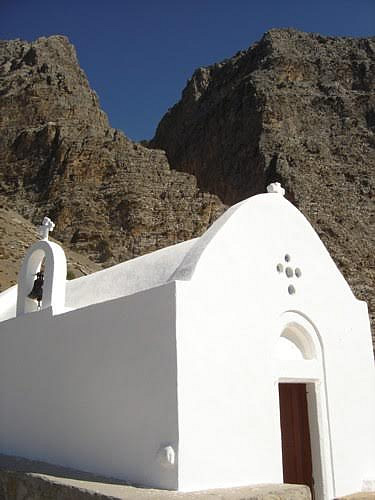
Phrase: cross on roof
{"type": "Point", "coordinates": [45, 228]}
{"type": "Point", "coordinates": [275, 187]}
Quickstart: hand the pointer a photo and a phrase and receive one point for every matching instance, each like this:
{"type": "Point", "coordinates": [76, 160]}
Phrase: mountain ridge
{"type": "Point", "coordinates": [295, 107]}
{"type": "Point", "coordinates": [111, 198]}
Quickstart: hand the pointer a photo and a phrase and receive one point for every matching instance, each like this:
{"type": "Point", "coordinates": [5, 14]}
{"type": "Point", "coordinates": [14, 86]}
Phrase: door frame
{"type": "Point", "coordinates": [314, 448]}
{"type": "Point", "coordinates": [309, 370]}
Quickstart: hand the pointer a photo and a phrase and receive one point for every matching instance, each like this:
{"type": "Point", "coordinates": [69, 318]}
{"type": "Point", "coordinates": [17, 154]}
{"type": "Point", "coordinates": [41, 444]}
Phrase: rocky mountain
{"type": "Point", "coordinates": [111, 199]}
{"type": "Point", "coordinates": [298, 108]}
{"type": "Point", "coordinates": [294, 107]}
{"type": "Point", "coordinates": [16, 235]}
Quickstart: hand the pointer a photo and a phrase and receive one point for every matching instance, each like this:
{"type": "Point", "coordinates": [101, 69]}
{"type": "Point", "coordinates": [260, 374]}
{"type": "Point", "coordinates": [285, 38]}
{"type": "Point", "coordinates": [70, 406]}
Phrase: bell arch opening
{"type": "Point", "coordinates": [35, 281]}
{"type": "Point", "coordinates": [51, 257]}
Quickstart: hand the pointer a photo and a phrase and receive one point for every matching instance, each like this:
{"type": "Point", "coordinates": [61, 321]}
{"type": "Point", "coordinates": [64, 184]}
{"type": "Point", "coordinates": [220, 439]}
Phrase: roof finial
{"type": "Point", "coordinates": [275, 187]}
{"type": "Point", "coordinates": [45, 228]}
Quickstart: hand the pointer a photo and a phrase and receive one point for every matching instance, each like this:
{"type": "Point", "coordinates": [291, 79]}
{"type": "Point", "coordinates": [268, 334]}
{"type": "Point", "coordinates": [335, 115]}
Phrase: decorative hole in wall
{"type": "Point", "coordinates": [289, 272]}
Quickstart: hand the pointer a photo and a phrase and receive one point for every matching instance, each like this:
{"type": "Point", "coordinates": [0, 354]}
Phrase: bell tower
{"type": "Point", "coordinates": [52, 293]}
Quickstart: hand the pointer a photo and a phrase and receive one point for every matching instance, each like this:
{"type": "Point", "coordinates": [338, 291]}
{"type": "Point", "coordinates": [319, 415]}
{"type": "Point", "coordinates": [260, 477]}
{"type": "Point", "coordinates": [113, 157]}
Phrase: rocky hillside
{"type": "Point", "coordinates": [16, 236]}
{"type": "Point", "coordinates": [298, 108]}
{"type": "Point", "coordinates": [111, 199]}
{"type": "Point", "coordinates": [295, 107]}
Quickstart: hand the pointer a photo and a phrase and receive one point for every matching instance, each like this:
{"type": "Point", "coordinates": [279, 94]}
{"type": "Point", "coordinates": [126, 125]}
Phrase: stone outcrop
{"type": "Point", "coordinates": [297, 108]}
{"type": "Point", "coordinates": [109, 197]}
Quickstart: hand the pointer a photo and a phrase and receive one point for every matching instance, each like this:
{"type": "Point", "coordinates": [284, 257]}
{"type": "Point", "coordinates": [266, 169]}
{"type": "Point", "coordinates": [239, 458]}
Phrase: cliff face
{"type": "Point", "coordinates": [110, 198]}
{"type": "Point", "coordinates": [295, 107]}
{"type": "Point", "coordinates": [298, 108]}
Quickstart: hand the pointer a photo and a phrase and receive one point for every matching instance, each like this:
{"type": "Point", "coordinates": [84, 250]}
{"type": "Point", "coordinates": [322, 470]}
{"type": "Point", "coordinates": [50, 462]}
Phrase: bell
{"type": "Point", "coordinates": [37, 291]}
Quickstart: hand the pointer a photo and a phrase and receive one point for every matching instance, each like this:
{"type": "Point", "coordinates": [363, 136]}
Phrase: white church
{"type": "Point", "coordinates": [241, 357]}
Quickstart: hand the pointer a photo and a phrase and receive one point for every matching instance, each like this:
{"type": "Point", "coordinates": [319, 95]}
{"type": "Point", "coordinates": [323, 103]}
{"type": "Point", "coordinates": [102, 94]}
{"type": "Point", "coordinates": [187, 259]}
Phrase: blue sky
{"type": "Point", "coordinates": [138, 55]}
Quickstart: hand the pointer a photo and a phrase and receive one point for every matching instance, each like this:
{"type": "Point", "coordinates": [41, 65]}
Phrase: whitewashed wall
{"type": "Point", "coordinates": [94, 388]}
{"type": "Point", "coordinates": [228, 322]}
{"type": "Point", "coordinates": [104, 388]}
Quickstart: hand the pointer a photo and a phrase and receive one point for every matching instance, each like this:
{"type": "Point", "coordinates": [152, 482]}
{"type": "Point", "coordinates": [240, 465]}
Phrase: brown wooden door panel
{"type": "Point", "coordinates": [295, 434]}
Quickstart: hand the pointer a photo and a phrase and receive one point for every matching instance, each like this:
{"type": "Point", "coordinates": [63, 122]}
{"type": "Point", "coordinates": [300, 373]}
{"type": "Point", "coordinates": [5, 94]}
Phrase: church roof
{"type": "Point", "coordinates": [177, 262]}
{"type": "Point", "coordinates": [129, 277]}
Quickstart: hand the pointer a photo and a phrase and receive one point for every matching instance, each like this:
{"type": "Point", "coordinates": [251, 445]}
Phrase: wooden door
{"type": "Point", "coordinates": [295, 435]}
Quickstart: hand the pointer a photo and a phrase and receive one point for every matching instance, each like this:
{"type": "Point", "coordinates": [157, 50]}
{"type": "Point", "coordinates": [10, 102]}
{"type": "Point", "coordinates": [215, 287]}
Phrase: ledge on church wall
{"type": "Point", "coordinates": [31, 479]}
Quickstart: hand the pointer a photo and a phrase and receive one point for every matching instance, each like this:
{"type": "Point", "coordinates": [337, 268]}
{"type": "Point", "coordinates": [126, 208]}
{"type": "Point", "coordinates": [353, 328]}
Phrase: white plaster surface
{"type": "Point", "coordinates": [95, 388]}
{"type": "Point", "coordinates": [8, 303]}
{"type": "Point", "coordinates": [185, 348]}
{"type": "Point", "coordinates": [275, 187]}
{"type": "Point", "coordinates": [128, 277]}
{"type": "Point", "coordinates": [117, 281]}
{"type": "Point", "coordinates": [45, 228]}
{"type": "Point", "coordinates": [228, 324]}
{"type": "Point", "coordinates": [368, 485]}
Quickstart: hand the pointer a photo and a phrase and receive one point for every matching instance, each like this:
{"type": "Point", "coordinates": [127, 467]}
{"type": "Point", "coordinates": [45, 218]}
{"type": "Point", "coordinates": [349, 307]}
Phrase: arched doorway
{"type": "Point", "coordinates": [304, 422]}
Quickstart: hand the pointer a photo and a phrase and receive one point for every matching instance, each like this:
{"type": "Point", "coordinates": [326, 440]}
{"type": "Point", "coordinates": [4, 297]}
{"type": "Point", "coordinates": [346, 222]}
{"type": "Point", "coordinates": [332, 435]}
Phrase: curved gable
{"type": "Point", "coordinates": [255, 237]}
